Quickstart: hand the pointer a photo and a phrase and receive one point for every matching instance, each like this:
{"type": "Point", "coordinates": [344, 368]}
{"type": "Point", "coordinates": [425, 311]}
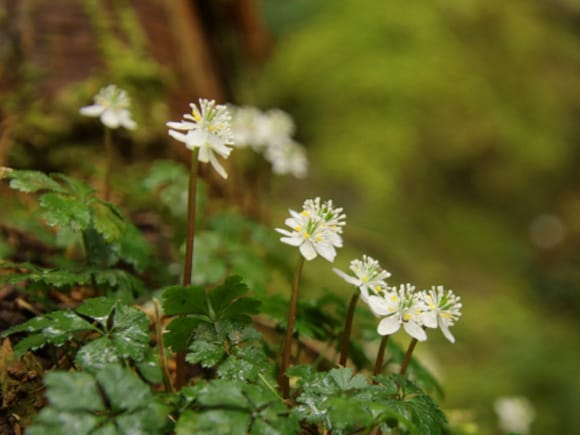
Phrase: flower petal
{"type": "Point", "coordinates": [389, 325]}
{"type": "Point", "coordinates": [177, 136]}
{"type": "Point", "coordinates": [445, 330]}
{"type": "Point", "coordinates": [292, 241]}
{"type": "Point", "coordinates": [415, 330]}
{"type": "Point", "coordinates": [350, 279]}
{"type": "Point", "coordinates": [217, 166]}
{"type": "Point", "coordinates": [308, 251]}
{"type": "Point", "coordinates": [326, 251]}
{"type": "Point", "coordinates": [94, 110]}
{"type": "Point", "coordinates": [380, 307]}
{"type": "Point", "coordinates": [110, 118]}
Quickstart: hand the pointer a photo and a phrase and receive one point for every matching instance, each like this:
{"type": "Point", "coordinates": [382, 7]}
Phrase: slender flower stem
{"type": "Point", "coordinates": [407, 358]}
{"type": "Point", "coordinates": [191, 203]}
{"type": "Point", "coordinates": [348, 329]}
{"type": "Point", "coordinates": [283, 380]}
{"type": "Point", "coordinates": [381, 355]}
{"type": "Point", "coordinates": [188, 265]}
{"type": "Point", "coordinates": [108, 164]}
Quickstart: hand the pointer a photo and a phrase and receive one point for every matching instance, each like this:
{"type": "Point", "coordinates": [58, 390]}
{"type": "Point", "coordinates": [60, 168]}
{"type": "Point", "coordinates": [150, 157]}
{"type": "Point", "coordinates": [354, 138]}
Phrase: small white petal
{"type": "Point", "coordinates": [347, 278]}
{"type": "Point", "coordinates": [415, 330]}
{"type": "Point", "coordinates": [308, 251]}
{"type": "Point", "coordinates": [379, 306]}
{"type": "Point", "coordinates": [389, 325]}
{"type": "Point", "coordinates": [217, 166]}
{"type": "Point", "coordinates": [429, 319]}
{"type": "Point", "coordinates": [326, 251]}
{"type": "Point", "coordinates": [180, 125]}
{"type": "Point", "coordinates": [94, 110]}
{"type": "Point", "coordinates": [177, 136]}
{"type": "Point", "coordinates": [292, 241]}
{"type": "Point", "coordinates": [204, 154]}
{"type": "Point", "coordinates": [445, 330]}
{"type": "Point", "coordinates": [126, 120]}
{"type": "Point", "coordinates": [110, 119]}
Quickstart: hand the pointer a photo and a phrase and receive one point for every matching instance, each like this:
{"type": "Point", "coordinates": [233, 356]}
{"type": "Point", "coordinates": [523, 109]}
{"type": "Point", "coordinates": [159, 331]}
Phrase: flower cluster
{"type": "Point", "coordinates": [415, 311]}
{"type": "Point", "coordinates": [206, 128]}
{"type": "Point", "coordinates": [369, 276]}
{"type": "Point", "coordinates": [112, 106]}
{"type": "Point", "coordinates": [316, 230]}
{"type": "Point", "coordinates": [270, 133]}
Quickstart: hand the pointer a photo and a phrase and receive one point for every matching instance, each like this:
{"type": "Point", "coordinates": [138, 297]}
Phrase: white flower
{"type": "Point", "coordinates": [316, 230]}
{"type": "Point", "coordinates": [515, 414]}
{"type": "Point", "coordinates": [274, 127]}
{"type": "Point", "coordinates": [440, 309]}
{"type": "Point", "coordinates": [206, 128]}
{"type": "Point", "coordinates": [369, 276]}
{"type": "Point", "coordinates": [287, 158]}
{"type": "Point", "coordinates": [112, 105]}
{"type": "Point", "coordinates": [244, 124]}
{"type": "Point", "coordinates": [398, 307]}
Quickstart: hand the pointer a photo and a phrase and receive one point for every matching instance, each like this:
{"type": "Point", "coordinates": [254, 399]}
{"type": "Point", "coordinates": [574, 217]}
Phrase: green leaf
{"type": "Point", "coordinates": [30, 181]}
{"type": "Point", "coordinates": [64, 210]}
{"type": "Point", "coordinates": [241, 309]}
{"type": "Point", "coordinates": [53, 421]}
{"type": "Point", "coordinates": [73, 391]}
{"type": "Point", "coordinates": [107, 221]}
{"type": "Point", "coordinates": [222, 393]}
{"type": "Point", "coordinates": [207, 351]}
{"type": "Point", "coordinates": [179, 332]}
{"type": "Point", "coordinates": [80, 189]}
{"type": "Point", "coordinates": [344, 379]}
{"type": "Point", "coordinates": [97, 354]}
{"type": "Point", "coordinates": [130, 332]}
{"type": "Point", "coordinates": [149, 367]}
{"type": "Point", "coordinates": [97, 308]}
{"type": "Point", "coordinates": [113, 402]}
{"type": "Point", "coordinates": [56, 328]}
{"type": "Point", "coordinates": [123, 389]}
{"type": "Point", "coordinates": [132, 248]}
{"type": "Point", "coordinates": [223, 295]}
{"type": "Point", "coordinates": [222, 422]}
{"type": "Point", "coordinates": [184, 300]}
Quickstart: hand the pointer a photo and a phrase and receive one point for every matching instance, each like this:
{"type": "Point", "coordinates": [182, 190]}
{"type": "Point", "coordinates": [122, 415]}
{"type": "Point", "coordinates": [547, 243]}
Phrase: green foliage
{"type": "Point", "coordinates": [118, 282]}
{"type": "Point", "coordinates": [192, 305]}
{"type": "Point", "coordinates": [111, 402]}
{"type": "Point", "coordinates": [235, 245]}
{"type": "Point", "coordinates": [235, 407]}
{"type": "Point", "coordinates": [346, 403]}
{"type": "Point", "coordinates": [67, 202]}
{"type": "Point", "coordinates": [112, 331]}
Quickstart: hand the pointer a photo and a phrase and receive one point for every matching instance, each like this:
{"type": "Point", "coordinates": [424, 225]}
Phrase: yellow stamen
{"type": "Point", "coordinates": [407, 316]}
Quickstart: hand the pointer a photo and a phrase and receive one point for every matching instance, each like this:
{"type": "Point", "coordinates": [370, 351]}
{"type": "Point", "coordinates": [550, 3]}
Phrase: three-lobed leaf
{"type": "Point", "coordinates": [114, 401]}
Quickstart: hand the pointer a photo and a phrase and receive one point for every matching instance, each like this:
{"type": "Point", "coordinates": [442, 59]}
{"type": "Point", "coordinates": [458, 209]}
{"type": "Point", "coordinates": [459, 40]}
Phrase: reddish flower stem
{"type": "Point", "coordinates": [283, 380]}
{"type": "Point", "coordinates": [188, 265]}
{"type": "Point", "coordinates": [381, 355]}
{"type": "Point", "coordinates": [407, 358]}
{"type": "Point", "coordinates": [348, 329]}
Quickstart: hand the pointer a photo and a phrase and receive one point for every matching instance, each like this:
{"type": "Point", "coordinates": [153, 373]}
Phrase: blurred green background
{"type": "Point", "coordinates": [449, 131]}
